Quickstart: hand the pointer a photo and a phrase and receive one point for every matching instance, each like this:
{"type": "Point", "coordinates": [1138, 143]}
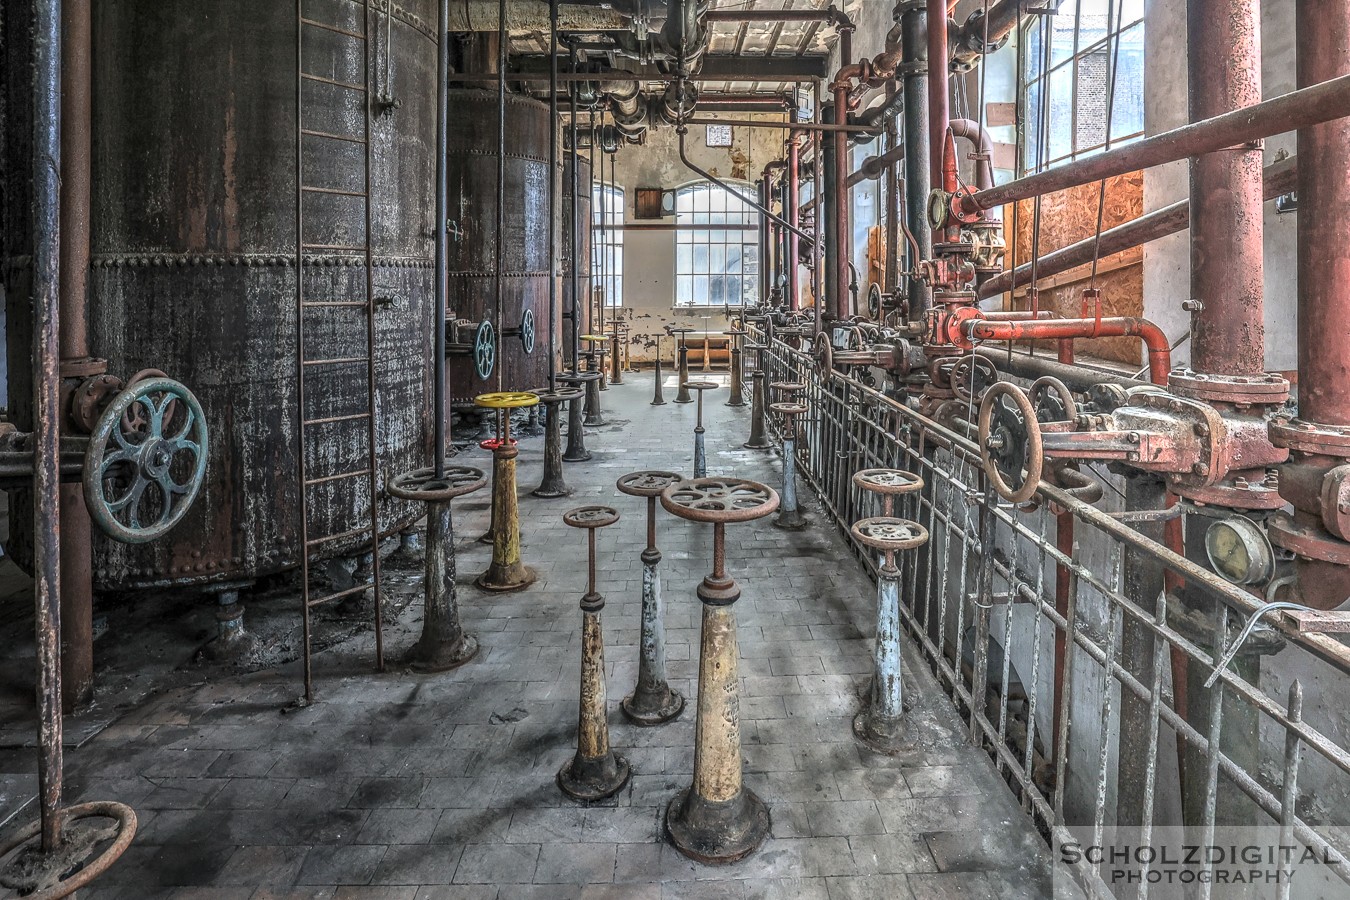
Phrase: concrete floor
{"type": "Point", "coordinates": [396, 785]}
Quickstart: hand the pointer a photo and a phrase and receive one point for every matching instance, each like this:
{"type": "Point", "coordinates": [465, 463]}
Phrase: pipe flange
{"type": "Point", "coordinates": [1311, 437]}
{"type": "Point", "coordinates": [1267, 389]}
{"type": "Point", "coordinates": [1307, 540]}
{"type": "Point", "coordinates": [1231, 493]}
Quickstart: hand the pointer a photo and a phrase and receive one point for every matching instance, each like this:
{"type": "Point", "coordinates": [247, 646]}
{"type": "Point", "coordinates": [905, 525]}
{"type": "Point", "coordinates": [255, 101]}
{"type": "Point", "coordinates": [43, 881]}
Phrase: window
{"type": "Point", "coordinates": [607, 245]}
{"type": "Point", "coordinates": [716, 246]}
{"type": "Point", "coordinates": [1075, 75]}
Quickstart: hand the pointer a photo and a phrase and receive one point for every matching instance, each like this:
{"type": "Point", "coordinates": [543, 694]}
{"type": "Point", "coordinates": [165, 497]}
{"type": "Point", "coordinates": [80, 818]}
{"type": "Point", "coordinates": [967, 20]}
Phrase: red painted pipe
{"type": "Point", "coordinates": [1159, 350]}
{"type": "Point", "coordinates": [1303, 108]}
{"type": "Point", "coordinates": [939, 109]}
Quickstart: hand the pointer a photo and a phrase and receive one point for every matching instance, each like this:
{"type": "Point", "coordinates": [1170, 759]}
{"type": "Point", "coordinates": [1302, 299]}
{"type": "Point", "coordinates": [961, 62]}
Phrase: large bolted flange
{"type": "Point", "coordinates": [146, 460]}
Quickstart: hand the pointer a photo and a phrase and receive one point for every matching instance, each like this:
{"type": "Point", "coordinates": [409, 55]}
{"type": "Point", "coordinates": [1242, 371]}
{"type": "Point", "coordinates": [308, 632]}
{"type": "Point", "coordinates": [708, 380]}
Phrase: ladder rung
{"type": "Point", "coordinates": [323, 190]}
{"type": "Point", "coordinates": [333, 28]}
{"type": "Point", "coordinates": [324, 479]}
{"type": "Point", "coordinates": [328, 420]}
{"type": "Point", "coordinates": [330, 538]}
{"type": "Point", "coordinates": [328, 598]}
{"type": "Point", "coordinates": [359, 88]}
{"type": "Point", "coordinates": [334, 361]}
{"type": "Point", "coordinates": [310, 132]}
{"type": "Point", "coordinates": [335, 304]}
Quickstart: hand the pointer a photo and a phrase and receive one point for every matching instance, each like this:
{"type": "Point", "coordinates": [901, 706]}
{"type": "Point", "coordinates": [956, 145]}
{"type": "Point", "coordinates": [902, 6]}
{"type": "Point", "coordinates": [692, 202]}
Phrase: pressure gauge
{"type": "Point", "coordinates": [937, 208]}
{"type": "Point", "coordinates": [1240, 551]}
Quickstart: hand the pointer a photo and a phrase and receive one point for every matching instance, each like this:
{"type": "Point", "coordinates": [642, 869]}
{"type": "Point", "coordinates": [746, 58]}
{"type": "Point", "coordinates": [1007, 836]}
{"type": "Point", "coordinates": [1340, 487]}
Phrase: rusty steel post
{"type": "Point", "coordinates": [657, 399]}
{"type": "Point", "coordinates": [595, 365]}
{"type": "Point", "coordinates": [842, 297]}
{"type": "Point", "coordinates": [717, 819]}
{"type": "Point", "coordinates": [758, 438]}
{"type": "Point", "coordinates": [596, 771]}
{"type": "Point", "coordinates": [653, 701]}
{"type": "Point", "coordinates": [682, 395]}
{"type": "Point", "coordinates": [737, 397]}
{"type": "Point", "coordinates": [616, 359]}
{"type": "Point", "coordinates": [700, 450]}
{"type": "Point", "coordinates": [576, 432]}
{"type": "Point", "coordinates": [552, 484]}
{"type": "Point", "coordinates": [506, 572]}
{"type": "Point", "coordinates": [789, 517]}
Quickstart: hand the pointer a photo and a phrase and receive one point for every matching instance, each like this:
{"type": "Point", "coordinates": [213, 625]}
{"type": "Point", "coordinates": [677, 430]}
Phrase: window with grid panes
{"type": "Point", "coordinates": [607, 242]}
{"type": "Point", "coordinates": [1067, 59]}
{"type": "Point", "coordinates": [716, 246]}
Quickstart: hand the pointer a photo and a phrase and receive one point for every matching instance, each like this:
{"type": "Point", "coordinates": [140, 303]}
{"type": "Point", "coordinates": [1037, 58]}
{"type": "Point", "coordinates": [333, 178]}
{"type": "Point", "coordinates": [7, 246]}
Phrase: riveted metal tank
{"type": "Point", "coordinates": [471, 159]}
{"type": "Point", "coordinates": [194, 265]}
{"type": "Point", "coordinates": [582, 261]}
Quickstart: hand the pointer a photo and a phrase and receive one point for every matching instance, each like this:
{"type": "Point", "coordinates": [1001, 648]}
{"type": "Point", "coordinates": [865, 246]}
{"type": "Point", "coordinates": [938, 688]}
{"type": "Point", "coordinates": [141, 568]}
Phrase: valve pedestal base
{"type": "Point", "coordinates": [429, 656]}
{"type": "Point", "coordinates": [717, 832]}
{"type": "Point", "coordinates": [594, 779]}
{"type": "Point", "coordinates": [654, 708]}
{"type": "Point", "coordinates": [879, 733]}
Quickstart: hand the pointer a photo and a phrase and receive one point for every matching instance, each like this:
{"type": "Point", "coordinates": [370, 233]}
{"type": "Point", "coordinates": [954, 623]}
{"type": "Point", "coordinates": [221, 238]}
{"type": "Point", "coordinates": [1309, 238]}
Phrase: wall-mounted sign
{"type": "Point", "coordinates": [719, 135]}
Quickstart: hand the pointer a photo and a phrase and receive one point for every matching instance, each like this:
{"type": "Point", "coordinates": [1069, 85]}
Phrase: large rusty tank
{"type": "Point", "coordinates": [194, 267]}
{"type": "Point", "coordinates": [582, 261]}
{"type": "Point", "coordinates": [472, 170]}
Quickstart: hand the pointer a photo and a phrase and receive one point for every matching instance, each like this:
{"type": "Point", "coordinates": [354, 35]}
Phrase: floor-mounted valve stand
{"type": "Point", "coordinates": [789, 518]}
{"type": "Point", "coordinates": [232, 640]}
{"type": "Point", "coordinates": [759, 439]}
{"type": "Point", "coordinates": [878, 725]}
{"type": "Point", "coordinates": [737, 397]}
{"type": "Point", "coordinates": [488, 537]}
{"type": "Point", "coordinates": [700, 450]}
{"type": "Point", "coordinates": [682, 372]}
{"type": "Point", "coordinates": [652, 702]}
{"type": "Point", "coordinates": [616, 356]}
{"type": "Point", "coordinates": [444, 645]}
{"type": "Point", "coordinates": [576, 433]}
{"type": "Point", "coordinates": [507, 572]}
{"type": "Point", "coordinates": [657, 399]}
{"type": "Point", "coordinates": [785, 392]}
{"type": "Point", "coordinates": [717, 819]}
{"type": "Point", "coordinates": [595, 363]}
{"type": "Point", "coordinates": [595, 772]}
{"type": "Point", "coordinates": [552, 483]}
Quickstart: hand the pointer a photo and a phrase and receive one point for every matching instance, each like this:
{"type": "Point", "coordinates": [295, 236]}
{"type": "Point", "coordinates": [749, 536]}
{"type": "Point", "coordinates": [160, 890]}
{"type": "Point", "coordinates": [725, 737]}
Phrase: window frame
{"type": "Point", "coordinates": [744, 221]}
{"type": "Point", "coordinates": [609, 238]}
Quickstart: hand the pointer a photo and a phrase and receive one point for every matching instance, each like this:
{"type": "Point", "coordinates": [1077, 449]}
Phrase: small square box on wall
{"type": "Point", "coordinates": [719, 136]}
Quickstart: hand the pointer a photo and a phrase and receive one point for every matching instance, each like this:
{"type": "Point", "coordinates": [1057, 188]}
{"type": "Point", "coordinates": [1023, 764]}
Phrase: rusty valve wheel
{"type": "Point", "coordinates": [485, 349]}
{"type": "Point", "coordinates": [971, 376]}
{"type": "Point", "coordinates": [527, 331]}
{"type": "Point", "coordinates": [647, 484]}
{"type": "Point", "coordinates": [1052, 400]}
{"type": "Point", "coordinates": [719, 500]}
{"type": "Point", "coordinates": [50, 876]}
{"type": "Point", "coordinates": [424, 486]}
{"type": "Point", "coordinates": [1010, 442]}
{"type": "Point", "coordinates": [823, 351]}
{"type": "Point", "coordinates": [889, 534]}
{"type": "Point", "coordinates": [591, 516]}
{"type": "Point", "coordinates": [887, 481]}
{"type": "Point", "coordinates": [163, 444]}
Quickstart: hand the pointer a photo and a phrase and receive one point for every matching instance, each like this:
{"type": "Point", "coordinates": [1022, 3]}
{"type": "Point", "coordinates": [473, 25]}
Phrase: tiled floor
{"type": "Point", "coordinates": [396, 785]}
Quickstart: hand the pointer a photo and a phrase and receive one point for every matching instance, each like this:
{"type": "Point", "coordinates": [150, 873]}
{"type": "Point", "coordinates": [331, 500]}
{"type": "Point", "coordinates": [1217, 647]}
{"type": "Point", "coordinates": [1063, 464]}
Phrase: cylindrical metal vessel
{"type": "Point", "coordinates": [471, 159]}
{"type": "Point", "coordinates": [194, 267]}
{"type": "Point", "coordinates": [582, 261]}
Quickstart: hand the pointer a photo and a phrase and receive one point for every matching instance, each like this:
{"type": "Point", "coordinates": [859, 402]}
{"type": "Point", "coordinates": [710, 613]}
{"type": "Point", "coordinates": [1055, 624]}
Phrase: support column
{"type": "Point", "coordinates": [789, 517]}
{"type": "Point", "coordinates": [682, 395]}
{"type": "Point", "coordinates": [552, 483]}
{"type": "Point", "coordinates": [576, 432]}
{"type": "Point", "coordinates": [700, 449]}
{"type": "Point", "coordinates": [737, 397]}
{"type": "Point", "coordinates": [657, 399]}
{"type": "Point", "coordinates": [506, 572]}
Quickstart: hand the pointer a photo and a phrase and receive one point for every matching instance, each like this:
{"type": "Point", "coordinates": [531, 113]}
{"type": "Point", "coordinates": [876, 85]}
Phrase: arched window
{"type": "Point", "coordinates": [607, 242]}
{"type": "Point", "coordinates": [716, 245]}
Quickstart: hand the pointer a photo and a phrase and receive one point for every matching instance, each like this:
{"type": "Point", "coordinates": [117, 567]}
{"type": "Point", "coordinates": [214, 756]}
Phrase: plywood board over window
{"type": "Point", "coordinates": [1068, 217]}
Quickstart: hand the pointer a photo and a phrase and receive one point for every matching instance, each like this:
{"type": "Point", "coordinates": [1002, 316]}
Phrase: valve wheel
{"type": "Point", "coordinates": [485, 349]}
{"type": "Point", "coordinates": [971, 376]}
{"type": "Point", "coordinates": [1052, 400]}
{"type": "Point", "coordinates": [648, 483]}
{"type": "Point", "coordinates": [527, 333]}
{"type": "Point", "coordinates": [1010, 442]}
{"type": "Point", "coordinates": [874, 301]}
{"type": "Point", "coordinates": [823, 352]}
{"type": "Point", "coordinates": [591, 516]}
{"type": "Point", "coordinates": [889, 534]}
{"type": "Point", "coordinates": [164, 444]}
{"type": "Point", "coordinates": [887, 481]}
{"type": "Point", "coordinates": [507, 399]}
{"type": "Point", "coordinates": [40, 876]}
{"type": "Point", "coordinates": [423, 485]}
{"type": "Point", "coordinates": [719, 500]}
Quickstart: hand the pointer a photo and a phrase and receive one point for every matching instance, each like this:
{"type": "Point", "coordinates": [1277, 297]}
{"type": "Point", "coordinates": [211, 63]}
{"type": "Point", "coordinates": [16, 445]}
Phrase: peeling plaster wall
{"type": "Point", "coordinates": [649, 255]}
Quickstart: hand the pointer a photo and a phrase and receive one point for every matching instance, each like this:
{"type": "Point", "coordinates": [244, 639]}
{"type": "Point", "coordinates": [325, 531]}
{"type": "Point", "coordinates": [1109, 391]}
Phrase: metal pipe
{"type": "Point", "coordinates": [576, 262]}
{"type": "Point", "coordinates": [442, 249]}
{"type": "Point", "coordinates": [1323, 223]}
{"type": "Point", "coordinates": [829, 15]}
{"type": "Point", "coordinates": [46, 349]}
{"type": "Point", "coordinates": [875, 166]}
{"type": "Point", "coordinates": [764, 280]}
{"type": "Point", "coordinates": [825, 202]}
{"type": "Point", "coordinates": [553, 210]}
{"type": "Point", "coordinates": [914, 49]}
{"type": "Point", "coordinates": [794, 216]}
{"type": "Point", "coordinates": [939, 103]}
{"type": "Point", "coordinates": [684, 158]}
{"type": "Point", "coordinates": [1279, 178]}
{"type": "Point", "coordinates": [970, 130]}
{"type": "Point", "coordinates": [1159, 351]}
{"type": "Point", "coordinates": [1227, 227]}
{"type": "Point", "coordinates": [1303, 108]}
{"type": "Point", "coordinates": [792, 126]}
{"type": "Point", "coordinates": [498, 286]}
{"type": "Point", "coordinates": [1076, 377]}
{"type": "Point", "coordinates": [842, 220]}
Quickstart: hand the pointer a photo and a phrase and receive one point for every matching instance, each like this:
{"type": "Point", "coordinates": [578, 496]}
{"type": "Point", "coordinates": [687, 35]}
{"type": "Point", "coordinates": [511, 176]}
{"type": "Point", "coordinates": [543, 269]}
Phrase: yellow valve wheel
{"type": "Point", "coordinates": [507, 400]}
{"type": "Point", "coordinates": [594, 337]}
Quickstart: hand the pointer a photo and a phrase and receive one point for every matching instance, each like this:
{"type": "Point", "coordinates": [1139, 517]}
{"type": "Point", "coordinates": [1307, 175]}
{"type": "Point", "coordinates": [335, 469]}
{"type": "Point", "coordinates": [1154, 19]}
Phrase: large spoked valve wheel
{"type": "Point", "coordinates": [485, 349]}
{"type": "Point", "coordinates": [527, 331]}
{"type": "Point", "coordinates": [146, 460]}
{"type": "Point", "coordinates": [93, 836]}
{"type": "Point", "coordinates": [971, 376]}
{"type": "Point", "coordinates": [823, 352]}
{"type": "Point", "coordinates": [1010, 442]}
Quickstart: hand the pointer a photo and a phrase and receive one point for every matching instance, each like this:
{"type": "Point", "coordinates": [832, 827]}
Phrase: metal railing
{"type": "Point", "coordinates": [1076, 646]}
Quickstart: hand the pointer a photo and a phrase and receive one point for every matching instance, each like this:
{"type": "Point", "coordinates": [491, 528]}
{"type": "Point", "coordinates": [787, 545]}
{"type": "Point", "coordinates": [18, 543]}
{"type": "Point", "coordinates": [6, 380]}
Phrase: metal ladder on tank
{"type": "Point", "coordinates": [363, 344]}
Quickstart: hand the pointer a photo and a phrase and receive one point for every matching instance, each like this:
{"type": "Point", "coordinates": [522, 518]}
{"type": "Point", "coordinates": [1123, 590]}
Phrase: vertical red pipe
{"type": "Point", "coordinates": [841, 207]}
{"type": "Point", "coordinates": [793, 215]}
{"type": "Point", "coordinates": [1323, 28]}
{"type": "Point", "coordinates": [1224, 61]}
{"type": "Point", "coordinates": [938, 104]}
